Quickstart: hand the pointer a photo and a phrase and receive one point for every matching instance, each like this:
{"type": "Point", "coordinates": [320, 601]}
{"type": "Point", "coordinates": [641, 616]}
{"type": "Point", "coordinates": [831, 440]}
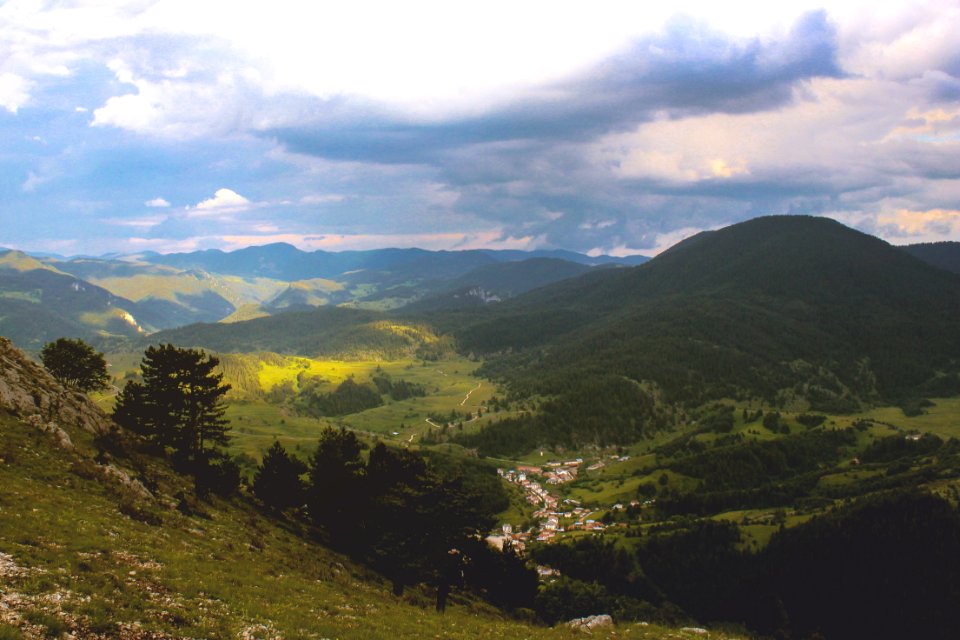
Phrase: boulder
{"type": "Point", "coordinates": [589, 623]}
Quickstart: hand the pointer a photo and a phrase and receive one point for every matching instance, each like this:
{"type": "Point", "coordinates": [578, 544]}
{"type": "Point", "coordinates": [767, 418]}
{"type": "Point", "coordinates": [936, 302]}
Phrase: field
{"type": "Point", "coordinates": [450, 387]}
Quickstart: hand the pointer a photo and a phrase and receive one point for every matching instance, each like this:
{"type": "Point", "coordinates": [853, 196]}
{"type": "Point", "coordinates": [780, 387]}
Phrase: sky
{"type": "Point", "coordinates": [601, 127]}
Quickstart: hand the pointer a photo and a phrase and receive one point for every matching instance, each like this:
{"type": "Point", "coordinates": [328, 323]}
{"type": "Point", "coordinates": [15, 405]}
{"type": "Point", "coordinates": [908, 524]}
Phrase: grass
{"type": "Point", "coordinates": [942, 419]}
{"type": "Point", "coordinates": [450, 386]}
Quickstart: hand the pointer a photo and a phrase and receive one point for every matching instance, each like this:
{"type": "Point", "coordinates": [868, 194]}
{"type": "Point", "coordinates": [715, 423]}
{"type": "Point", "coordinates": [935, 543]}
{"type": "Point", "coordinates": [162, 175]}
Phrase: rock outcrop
{"type": "Point", "coordinates": [588, 624]}
{"type": "Point", "coordinates": [27, 389]}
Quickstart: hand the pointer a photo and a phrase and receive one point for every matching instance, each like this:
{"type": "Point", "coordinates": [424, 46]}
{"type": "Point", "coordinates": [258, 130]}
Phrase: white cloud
{"type": "Point", "coordinates": [325, 198]}
{"type": "Point", "coordinates": [14, 91]}
{"type": "Point", "coordinates": [33, 181]}
{"type": "Point", "coordinates": [224, 200]}
{"type": "Point", "coordinates": [157, 203]}
{"type": "Point", "coordinates": [144, 222]}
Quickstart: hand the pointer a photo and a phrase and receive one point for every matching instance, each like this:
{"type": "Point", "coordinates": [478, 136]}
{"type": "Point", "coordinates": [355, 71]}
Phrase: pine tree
{"type": "Point", "coordinates": [277, 481]}
{"type": "Point", "coordinates": [336, 494]}
{"type": "Point", "coordinates": [179, 403]}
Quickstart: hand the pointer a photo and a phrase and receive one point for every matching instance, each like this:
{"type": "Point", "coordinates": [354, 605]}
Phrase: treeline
{"type": "Point", "coordinates": [348, 397]}
{"type": "Point", "coordinates": [411, 520]}
{"type": "Point", "coordinates": [748, 474]}
{"type": "Point", "coordinates": [593, 410]}
{"type": "Point", "coordinates": [887, 567]}
{"type": "Point", "coordinates": [397, 389]}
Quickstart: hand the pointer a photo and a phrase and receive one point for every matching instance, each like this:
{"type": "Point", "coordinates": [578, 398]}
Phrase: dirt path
{"type": "Point", "coordinates": [464, 401]}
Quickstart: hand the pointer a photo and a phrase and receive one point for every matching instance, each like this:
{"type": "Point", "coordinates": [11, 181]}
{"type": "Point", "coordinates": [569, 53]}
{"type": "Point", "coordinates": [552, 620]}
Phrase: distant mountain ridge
{"type": "Point", "coordinates": [286, 262]}
{"type": "Point", "coordinates": [943, 255]}
{"type": "Point", "coordinates": [151, 292]}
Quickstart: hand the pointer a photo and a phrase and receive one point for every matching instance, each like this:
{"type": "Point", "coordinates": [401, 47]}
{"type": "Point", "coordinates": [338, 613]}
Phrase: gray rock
{"type": "Point", "coordinates": [588, 624]}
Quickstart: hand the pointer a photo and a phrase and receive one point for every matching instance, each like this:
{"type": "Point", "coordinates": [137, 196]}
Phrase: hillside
{"type": "Point", "coordinates": [788, 309]}
{"type": "Point", "coordinates": [325, 331]}
{"type": "Point", "coordinates": [39, 304]}
{"type": "Point", "coordinates": [943, 255]}
{"type": "Point", "coordinates": [99, 540]}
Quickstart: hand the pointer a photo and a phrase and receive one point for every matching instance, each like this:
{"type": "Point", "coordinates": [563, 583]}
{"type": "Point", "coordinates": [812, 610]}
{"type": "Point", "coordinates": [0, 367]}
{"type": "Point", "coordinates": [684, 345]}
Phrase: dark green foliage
{"type": "Point", "coordinates": [772, 421]}
{"type": "Point", "coordinates": [501, 577]}
{"type": "Point", "coordinates": [179, 403]}
{"type": "Point", "coordinates": [755, 463]}
{"type": "Point", "coordinates": [744, 312]}
{"type": "Point", "coordinates": [720, 420]}
{"type": "Point", "coordinates": [811, 420]}
{"type": "Point", "coordinates": [349, 397]}
{"type": "Point", "coordinates": [914, 406]}
{"type": "Point", "coordinates": [600, 411]}
{"type": "Point", "coordinates": [216, 473]}
{"type": "Point", "coordinates": [399, 389]}
{"type": "Point", "coordinates": [336, 488]}
{"type": "Point", "coordinates": [277, 480]}
{"type": "Point", "coordinates": [600, 560]}
{"type": "Point", "coordinates": [697, 568]}
{"type": "Point", "coordinates": [566, 598]}
{"type": "Point", "coordinates": [75, 364]}
{"type": "Point", "coordinates": [943, 255]}
{"type": "Point", "coordinates": [754, 473]}
{"type": "Point", "coordinates": [404, 518]}
{"type": "Point", "coordinates": [896, 447]}
{"type": "Point", "coordinates": [887, 568]}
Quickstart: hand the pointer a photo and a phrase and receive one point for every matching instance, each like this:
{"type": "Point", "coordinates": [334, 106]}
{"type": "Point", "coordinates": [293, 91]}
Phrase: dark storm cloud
{"type": "Point", "coordinates": [687, 69]}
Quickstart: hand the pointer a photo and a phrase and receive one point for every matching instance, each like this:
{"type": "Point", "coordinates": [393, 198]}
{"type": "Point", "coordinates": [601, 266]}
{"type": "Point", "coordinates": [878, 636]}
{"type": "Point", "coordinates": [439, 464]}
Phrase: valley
{"type": "Point", "coordinates": [684, 442]}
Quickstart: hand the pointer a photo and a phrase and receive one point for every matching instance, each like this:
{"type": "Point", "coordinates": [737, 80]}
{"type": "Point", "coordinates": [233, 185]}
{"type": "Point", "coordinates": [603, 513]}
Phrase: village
{"type": "Point", "coordinates": [554, 515]}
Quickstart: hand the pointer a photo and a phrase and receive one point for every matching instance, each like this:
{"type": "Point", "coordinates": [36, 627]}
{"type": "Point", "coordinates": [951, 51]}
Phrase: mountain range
{"type": "Point", "coordinates": [122, 296]}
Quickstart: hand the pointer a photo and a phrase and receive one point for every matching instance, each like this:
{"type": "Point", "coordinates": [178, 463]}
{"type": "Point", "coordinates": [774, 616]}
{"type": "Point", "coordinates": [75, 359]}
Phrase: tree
{"type": "Point", "coordinates": [179, 403]}
{"type": "Point", "coordinates": [75, 364]}
{"type": "Point", "coordinates": [336, 494]}
{"type": "Point", "coordinates": [277, 480]}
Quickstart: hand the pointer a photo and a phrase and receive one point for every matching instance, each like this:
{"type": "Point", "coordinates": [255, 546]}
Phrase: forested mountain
{"type": "Point", "coordinates": [944, 255]}
{"type": "Point", "coordinates": [783, 308]}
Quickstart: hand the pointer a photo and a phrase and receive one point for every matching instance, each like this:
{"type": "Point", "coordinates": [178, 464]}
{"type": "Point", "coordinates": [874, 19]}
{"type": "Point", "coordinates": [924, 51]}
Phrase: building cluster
{"type": "Point", "coordinates": [551, 514]}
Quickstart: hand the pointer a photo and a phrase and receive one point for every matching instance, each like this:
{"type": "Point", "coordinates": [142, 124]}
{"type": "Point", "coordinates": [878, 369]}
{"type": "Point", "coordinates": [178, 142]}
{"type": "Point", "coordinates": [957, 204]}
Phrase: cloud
{"type": "Point", "coordinates": [156, 203]}
{"type": "Point", "coordinates": [224, 200]}
{"type": "Point", "coordinates": [915, 225]}
{"type": "Point", "coordinates": [325, 198]}
{"type": "Point", "coordinates": [611, 130]}
{"type": "Point", "coordinates": [14, 91]}
{"type": "Point", "coordinates": [343, 242]}
{"type": "Point", "coordinates": [33, 181]}
{"type": "Point", "coordinates": [688, 69]}
{"type": "Point", "coordinates": [144, 222]}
